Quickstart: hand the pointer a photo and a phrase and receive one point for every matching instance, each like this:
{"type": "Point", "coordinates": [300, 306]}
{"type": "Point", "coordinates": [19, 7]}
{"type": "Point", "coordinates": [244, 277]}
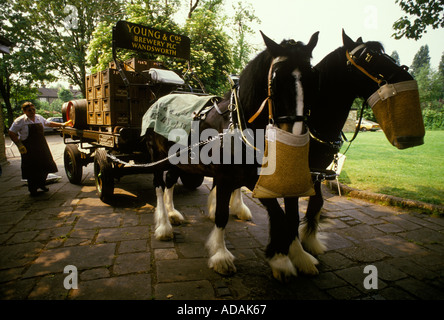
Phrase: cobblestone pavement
{"type": "Point", "coordinates": [117, 256]}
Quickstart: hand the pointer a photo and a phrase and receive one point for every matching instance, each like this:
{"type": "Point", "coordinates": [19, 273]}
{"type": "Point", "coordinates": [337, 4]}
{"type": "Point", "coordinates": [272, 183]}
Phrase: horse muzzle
{"type": "Point", "coordinates": [398, 112]}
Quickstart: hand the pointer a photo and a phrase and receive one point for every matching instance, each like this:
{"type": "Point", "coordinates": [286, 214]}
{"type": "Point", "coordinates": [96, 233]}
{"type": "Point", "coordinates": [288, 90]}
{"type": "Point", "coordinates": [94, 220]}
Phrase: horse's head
{"type": "Point", "coordinates": [289, 69]}
{"type": "Point", "coordinates": [389, 89]}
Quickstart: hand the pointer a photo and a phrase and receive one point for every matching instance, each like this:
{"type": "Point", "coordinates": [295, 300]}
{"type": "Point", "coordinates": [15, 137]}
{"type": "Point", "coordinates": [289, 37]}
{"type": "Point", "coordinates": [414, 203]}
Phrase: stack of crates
{"type": "Point", "coordinates": [111, 103]}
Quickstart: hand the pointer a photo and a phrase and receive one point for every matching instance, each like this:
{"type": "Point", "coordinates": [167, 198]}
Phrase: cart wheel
{"type": "Point", "coordinates": [191, 180]}
{"type": "Point", "coordinates": [103, 173]}
{"type": "Point", "coordinates": [73, 164]}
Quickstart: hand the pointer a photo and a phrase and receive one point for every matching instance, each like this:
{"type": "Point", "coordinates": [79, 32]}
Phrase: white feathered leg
{"type": "Point", "coordinates": [221, 260]}
{"type": "Point", "coordinates": [175, 216]}
{"type": "Point", "coordinates": [311, 241]}
{"type": "Point", "coordinates": [302, 260]}
{"type": "Point", "coordinates": [211, 204]}
{"type": "Point", "coordinates": [282, 267]}
{"type": "Point", "coordinates": [164, 230]}
{"type": "Point", "coordinates": [238, 207]}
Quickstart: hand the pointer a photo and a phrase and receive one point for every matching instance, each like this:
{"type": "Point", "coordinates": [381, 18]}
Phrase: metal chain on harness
{"type": "Point", "coordinates": [177, 154]}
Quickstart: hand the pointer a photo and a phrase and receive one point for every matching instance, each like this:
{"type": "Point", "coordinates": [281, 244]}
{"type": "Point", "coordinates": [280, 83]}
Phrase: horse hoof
{"type": "Point", "coordinates": [243, 213]}
{"type": "Point", "coordinates": [302, 260]}
{"type": "Point", "coordinates": [222, 262]}
{"type": "Point", "coordinates": [282, 268]}
{"type": "Point", "coordinates": [164, 233]}
{"type": "Point", "coordinates": [176, 218]}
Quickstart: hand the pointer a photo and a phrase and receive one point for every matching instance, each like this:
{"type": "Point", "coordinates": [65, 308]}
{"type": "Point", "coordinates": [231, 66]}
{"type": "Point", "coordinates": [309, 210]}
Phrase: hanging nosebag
{"type": "Point", "coordinates": [285, 171]}
{"type": "Point", "coordinates": [398, 111]}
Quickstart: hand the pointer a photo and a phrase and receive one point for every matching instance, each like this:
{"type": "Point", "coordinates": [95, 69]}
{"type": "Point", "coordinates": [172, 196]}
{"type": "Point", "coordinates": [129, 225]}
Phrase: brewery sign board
{"type": "Point", "coordinates": [145, 39]}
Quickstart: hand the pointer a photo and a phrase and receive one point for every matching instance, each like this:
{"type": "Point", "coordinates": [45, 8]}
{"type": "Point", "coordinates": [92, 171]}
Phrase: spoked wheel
{"type": "Point", "coordinates": [73, 163]}
{"type": "Point", "coordinates": [104, 177]}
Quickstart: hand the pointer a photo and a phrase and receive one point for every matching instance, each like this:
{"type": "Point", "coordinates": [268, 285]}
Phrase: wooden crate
{"type": "Point", "coordinates": [91, 118]}
{"type": "Point", "coordinates": [109, 104]}
{"type": "Point", "coordinates": [89, 93]}
{"type": "Point", "coordinates": [90, 105]}
{"type": "Point", "coordinates": [110, 90]}
{"type": "Point", "coordinates": [98, 92]}
{"type": "Point", "coordinates": [88, 81]}
{"type": "Point", "coordinates": [96, 79]}
{"type": "Point", "coordinates": [97, 105]}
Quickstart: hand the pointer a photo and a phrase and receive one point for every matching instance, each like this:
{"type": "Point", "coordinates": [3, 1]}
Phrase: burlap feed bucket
{"type": "Point", "coordinates": [398, 112]}
{"type": "Point", "coordinates": [285, 171]}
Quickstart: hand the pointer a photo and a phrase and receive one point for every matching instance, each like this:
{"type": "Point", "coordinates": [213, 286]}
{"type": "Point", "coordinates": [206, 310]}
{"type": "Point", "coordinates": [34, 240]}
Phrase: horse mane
{"type": "Point", "coordinates": [255, 72]}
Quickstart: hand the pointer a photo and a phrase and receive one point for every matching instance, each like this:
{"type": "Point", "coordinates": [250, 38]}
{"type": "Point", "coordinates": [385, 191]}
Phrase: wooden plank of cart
{"type": "Point", "coordinates": [108, 121]}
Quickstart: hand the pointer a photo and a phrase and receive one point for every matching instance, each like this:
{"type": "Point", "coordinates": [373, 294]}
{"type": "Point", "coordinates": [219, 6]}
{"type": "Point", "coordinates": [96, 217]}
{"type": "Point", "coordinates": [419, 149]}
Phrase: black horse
{"type": "Point", "coordinates": [341, 79]}
{"type": "Point", "coordinates": [284, 68]}
{"type": "Point", "coordinates": [356, 69]}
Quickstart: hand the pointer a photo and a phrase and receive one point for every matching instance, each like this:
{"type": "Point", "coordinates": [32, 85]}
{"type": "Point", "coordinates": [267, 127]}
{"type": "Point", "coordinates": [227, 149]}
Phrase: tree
{"type": "Point", "coordinates": [64, 28]}
{"type": "Point", "coordinates": [156, 14]}
{"type": "Point", "coordinates": [243, 17]}
{"type": "Point", "coordinates": [25, 68]}
{"type": "Point", "coordinates": [422, 14]}
{"type": "Point", "coordinates": [395, 57]}
{"type": "Point", "coordinates": [420, 60]}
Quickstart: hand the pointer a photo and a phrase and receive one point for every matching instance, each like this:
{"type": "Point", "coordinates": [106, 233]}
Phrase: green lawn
{"type": "Point", "coordinates": [375, 165]}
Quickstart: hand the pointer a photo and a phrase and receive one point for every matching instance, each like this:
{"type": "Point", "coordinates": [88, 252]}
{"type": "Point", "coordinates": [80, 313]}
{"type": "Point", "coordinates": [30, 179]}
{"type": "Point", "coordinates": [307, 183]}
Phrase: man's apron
{"type": "Point", "coordinates": [38, 159]}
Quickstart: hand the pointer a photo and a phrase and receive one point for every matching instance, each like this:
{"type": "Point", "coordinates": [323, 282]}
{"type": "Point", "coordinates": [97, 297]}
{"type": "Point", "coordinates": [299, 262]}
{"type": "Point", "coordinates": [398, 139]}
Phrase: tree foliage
{"type": "Point", "coordinates": [421, 14]}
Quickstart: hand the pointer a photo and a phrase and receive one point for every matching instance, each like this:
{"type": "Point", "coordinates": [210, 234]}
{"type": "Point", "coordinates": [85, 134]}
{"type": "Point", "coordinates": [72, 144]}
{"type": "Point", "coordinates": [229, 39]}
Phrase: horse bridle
{"type": "Point", "coordinates": [269, 99]}
{"type": "Point", "coordinates": [380, 79]}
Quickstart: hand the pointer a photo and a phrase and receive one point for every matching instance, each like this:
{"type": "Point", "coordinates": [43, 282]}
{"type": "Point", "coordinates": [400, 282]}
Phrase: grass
{"type": "Point", "coordinates": [375, 165]}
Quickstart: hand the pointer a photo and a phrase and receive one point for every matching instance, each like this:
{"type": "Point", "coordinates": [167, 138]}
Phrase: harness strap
{"type": "Point", "coordinates": [378, 81]}
{"type": "Point", "coordinates": [268, 99]}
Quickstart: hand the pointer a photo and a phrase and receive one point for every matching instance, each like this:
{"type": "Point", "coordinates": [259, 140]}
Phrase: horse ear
{"type": "Point", "coordinates": [313, 42]}
{"type": "Point", "coordinates": [359, 40]}
{"type": "Point", "coordinates": [274, 48]}
{"type": "Point", "coordinates": [349, 44]}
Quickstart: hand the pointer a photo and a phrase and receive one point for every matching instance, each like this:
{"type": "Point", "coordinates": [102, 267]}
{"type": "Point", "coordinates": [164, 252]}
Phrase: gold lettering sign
{"type": "Point", "coordinates": [141, 38]}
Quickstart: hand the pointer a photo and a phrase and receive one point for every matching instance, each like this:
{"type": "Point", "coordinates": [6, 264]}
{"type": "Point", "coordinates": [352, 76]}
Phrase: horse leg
{"type": "Point", "coordinates": [309, 227]}
{"type": "Point", "coordinates": [221, 260]}
{"type": "Point", "coordinates": [211, 204]}
{"type": "Point", "coordinates": [280, 239]}
{"type": "Point", "coordinates": [164, 230]}
{"type": "Point", "coordinates": [237, 205]}
{"type": "Point", "coordinates": [302, 260]}
{"type": "Point", "coordinates": [175, 216]}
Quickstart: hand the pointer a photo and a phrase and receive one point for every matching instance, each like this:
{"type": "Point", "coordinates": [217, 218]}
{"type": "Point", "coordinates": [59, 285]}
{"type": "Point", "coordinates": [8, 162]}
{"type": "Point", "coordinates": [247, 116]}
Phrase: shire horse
{"type": "Point", "coordinates": [288, 64]}
{"type": "Point", "coordinates": [355, 70]}
{"type": "Point", "coordinates": [340, 80]}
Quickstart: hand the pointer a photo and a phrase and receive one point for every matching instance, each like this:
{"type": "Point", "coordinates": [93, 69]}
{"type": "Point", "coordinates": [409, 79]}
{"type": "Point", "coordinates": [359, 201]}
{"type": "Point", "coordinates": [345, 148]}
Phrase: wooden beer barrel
{"type": "Point", "coordinates": [76, 110]}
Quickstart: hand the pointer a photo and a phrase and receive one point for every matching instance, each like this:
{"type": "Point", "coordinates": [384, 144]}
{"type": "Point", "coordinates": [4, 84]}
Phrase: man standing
{"type": "Point", "coordinates": [27, 133]}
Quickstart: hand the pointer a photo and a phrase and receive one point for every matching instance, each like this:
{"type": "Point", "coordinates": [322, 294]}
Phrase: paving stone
{"type": "Point", "coordinates": [82, 257]}
{"type": "Point", "coordinates": [420, 289]}
{"type": "Point", "coordinates": [132, 262]}
{"type": "Point", "coordinates": [165, 254]}
{"type": "Point", "coordinates": [363, 253]}
{"type": "Point", "coordinates": [129, 287]}
{"type": "Point", "coordinates": [190, 290]}
{"type": "Point", "coordinates": [133, 246]}
{"type": "Point", "coordinates": [394, 246]}
{"type": "Point", "coordinates": [18, 255]}
{"type": "Point", "coordinates": [124, 233]}
{"type": "Point", "coordinates": [184, 270]}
